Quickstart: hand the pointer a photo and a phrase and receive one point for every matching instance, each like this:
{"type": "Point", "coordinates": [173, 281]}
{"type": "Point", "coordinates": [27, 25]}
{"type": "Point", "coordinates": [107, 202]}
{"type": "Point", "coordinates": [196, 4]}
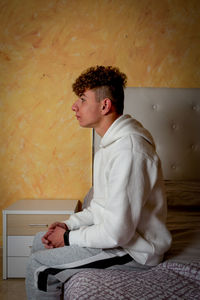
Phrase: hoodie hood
{"type": "Point", "coordinates": [124, 126]}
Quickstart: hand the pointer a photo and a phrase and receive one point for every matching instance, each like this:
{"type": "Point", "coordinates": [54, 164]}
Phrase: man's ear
{"type": "Point", "coordinates": [106, 106]}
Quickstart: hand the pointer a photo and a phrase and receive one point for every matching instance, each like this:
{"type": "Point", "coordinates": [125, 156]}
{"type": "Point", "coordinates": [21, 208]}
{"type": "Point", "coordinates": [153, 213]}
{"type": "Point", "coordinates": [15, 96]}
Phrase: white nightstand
{"type": "Point", "coordinates": [21, 221]}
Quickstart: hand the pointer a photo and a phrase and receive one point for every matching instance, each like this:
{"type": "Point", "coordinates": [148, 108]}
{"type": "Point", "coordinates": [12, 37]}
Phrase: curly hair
{"type": "Point", "coordinates": [106, 82]}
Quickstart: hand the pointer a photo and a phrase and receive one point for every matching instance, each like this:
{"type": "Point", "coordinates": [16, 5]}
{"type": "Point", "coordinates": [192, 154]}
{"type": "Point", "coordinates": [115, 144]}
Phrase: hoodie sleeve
{"type": "Point", "coordinates": [129, 180]}
{"type": "Point", "coordinates": [82, 218]}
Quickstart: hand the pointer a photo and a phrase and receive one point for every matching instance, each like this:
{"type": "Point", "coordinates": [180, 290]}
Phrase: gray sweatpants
{"type": "Point", "coordinates": [56, 258]}
{"type": "Point", "coordinates": [71, 258]}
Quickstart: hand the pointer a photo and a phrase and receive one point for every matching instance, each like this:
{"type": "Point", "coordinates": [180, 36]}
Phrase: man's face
{"type": "Point", "coordinates": [88, 110]}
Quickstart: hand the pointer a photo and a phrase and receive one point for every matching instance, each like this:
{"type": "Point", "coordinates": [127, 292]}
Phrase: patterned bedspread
{"type": "Point", "coordinates": [169, 280]}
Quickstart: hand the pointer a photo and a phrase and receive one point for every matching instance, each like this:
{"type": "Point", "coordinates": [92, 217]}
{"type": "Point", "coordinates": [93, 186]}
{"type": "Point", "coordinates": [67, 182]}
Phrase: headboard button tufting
{"type": "Point", "coordinates": [174, 126]}
{"type": "Point", "coordinates": [195, 107]}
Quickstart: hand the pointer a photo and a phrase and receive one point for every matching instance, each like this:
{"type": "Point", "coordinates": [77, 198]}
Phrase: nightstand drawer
{"type": "Point", "coordinates": [31, 224]}
{"type": "Point", "coordinates": [17, 267]}
{"type": "Point", "coordinates": [19, 245]}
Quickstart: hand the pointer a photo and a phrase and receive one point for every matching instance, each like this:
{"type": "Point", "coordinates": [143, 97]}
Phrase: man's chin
{"type": "Point", "coordinates": [84, 125]}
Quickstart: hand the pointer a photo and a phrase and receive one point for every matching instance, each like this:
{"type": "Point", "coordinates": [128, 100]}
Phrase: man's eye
{"type": "Point", "coordinates": [82, 99]}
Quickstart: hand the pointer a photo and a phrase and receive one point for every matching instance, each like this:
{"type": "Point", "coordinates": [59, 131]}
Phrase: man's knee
{"type": "Point", "coordinates": [37, 242]}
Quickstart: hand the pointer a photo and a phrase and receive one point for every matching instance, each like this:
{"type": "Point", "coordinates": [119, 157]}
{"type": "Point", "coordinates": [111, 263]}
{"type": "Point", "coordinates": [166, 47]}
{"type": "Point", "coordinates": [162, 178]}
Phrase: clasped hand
{"type": "Point", "coordinates": [54, 237]}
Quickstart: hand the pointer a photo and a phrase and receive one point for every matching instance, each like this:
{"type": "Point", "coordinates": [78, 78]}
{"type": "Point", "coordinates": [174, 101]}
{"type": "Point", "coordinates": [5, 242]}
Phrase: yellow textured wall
{"type": "Point", "coordinates": [44, 45]}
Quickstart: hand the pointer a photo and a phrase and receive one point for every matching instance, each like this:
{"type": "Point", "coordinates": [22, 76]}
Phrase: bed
{"type": "Point", "coordinates": [173, 118]}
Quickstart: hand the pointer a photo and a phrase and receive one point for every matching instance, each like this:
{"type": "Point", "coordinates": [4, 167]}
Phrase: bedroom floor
{"type": "Point", "coordinates": [11, 288]}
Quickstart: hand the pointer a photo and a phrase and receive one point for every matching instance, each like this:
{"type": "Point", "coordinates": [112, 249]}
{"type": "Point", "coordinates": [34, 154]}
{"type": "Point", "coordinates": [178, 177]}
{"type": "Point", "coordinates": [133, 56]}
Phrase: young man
{"type": "Point", "coordinates": [125, 221]}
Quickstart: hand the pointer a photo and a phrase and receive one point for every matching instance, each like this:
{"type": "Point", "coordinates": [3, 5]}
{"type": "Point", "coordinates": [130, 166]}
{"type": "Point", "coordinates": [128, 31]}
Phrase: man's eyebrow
{"type": "Point", "coordinates": [83, 95]}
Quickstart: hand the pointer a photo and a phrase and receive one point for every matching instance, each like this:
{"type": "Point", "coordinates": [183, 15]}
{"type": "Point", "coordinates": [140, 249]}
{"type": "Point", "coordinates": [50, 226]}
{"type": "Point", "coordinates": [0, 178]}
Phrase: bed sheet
{"type": "Point", "coordinates": [169, 280]}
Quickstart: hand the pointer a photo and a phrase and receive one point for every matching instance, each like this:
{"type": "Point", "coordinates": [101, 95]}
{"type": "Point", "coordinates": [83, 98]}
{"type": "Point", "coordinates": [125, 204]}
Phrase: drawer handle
{"type": "Point", "coordinates": [35, 225]}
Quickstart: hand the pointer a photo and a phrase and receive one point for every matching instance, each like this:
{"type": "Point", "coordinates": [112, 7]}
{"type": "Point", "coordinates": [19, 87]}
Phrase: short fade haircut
{"type": "Point", "coordinates": [107, 82]}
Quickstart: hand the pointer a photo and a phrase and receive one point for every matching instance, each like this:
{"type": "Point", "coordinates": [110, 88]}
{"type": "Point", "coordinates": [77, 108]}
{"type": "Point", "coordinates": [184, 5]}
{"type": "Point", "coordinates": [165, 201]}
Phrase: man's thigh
{"type": "Point", "coordinates": [66, 255]}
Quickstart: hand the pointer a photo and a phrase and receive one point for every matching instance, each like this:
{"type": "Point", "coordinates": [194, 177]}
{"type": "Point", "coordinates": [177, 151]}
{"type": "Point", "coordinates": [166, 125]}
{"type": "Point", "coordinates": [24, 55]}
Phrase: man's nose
{"type": "Point", "coordinates": [75, 106]}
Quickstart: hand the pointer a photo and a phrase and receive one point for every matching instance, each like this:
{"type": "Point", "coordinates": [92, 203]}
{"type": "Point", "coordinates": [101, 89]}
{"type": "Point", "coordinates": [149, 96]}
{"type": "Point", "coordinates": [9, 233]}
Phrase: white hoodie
{"type": "Point", "coordinates": [128, 208]}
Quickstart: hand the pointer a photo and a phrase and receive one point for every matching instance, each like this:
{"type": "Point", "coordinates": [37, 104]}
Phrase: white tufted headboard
{"type": "Point", "coordinates": [173, 118]}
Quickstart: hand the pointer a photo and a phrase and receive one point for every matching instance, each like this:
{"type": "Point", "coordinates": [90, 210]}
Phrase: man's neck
{"type": "Point", "coordinates": [106, 123]}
